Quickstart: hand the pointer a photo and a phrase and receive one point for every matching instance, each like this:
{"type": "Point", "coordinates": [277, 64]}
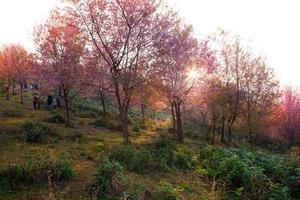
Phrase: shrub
{"type": "Point", "coordinates": [278, 192]}
{"type": "Point", "coordinates": [185, 158]}
{"type": "Point", "coordinates": [40, 167]}
{"type": "Point", "coordinates": [191, 134]}
{"type": "Point", "coordinates": [133, 159]}
{"type": "Point", "coordinates": [34, 132]}
{"type": "Point", "coordinates": [75, 136]}
{"type": "Point", "coordinates": [110, 125]}
{"type": "Point", "coordinates": [36, 170]}
{"type": "Point", "coordinates": [118, 127]}
{"type": "Point", "coordinates": [109, 181]}
{"type": "Point", "coordinates": [165, 191]}
{"type": "Point", "coordinates": [56, 117]}
{"type": "Point", "coordinates": [133, 192]}
{"type": "Point", "coordinates": [101, 121]}
{"type": "Point", "coordinates": [251, 174]}
{"type": "Point", "coordinates": [164, 154]}
{"type": "Point", "coordinates": [136, 128]}
{"type": "Point", "coordinates": [12, 177]}
{"type": "Point", "coordinates": [63, 170]}
{"type": "Point", "coordinates": [11, 113]}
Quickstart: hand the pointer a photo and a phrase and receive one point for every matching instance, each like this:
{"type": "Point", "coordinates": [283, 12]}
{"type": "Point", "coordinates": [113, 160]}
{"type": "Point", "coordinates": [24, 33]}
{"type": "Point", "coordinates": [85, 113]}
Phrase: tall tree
{"type": "Point", "coordinates": [122, 32]}
{"type": "Point", "coordinates": [260, 93]}
{"type": "Point", "coordinates": [181, 57]}
{"type": "Point", "coordinates": [60, 48]}
{"type": "Point", "coordinates": [290, 117]}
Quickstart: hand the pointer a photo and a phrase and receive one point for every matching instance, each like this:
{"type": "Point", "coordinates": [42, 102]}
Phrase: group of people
{"type": "Point", "coordinates": [51, 102]}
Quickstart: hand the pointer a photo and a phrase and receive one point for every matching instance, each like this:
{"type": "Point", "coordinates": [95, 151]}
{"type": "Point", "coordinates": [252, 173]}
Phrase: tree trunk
{"type": "Point", "coordinates": [179, 130]}
{"type": "Point", "coordinates": [291, 139]}
{"type": "Point", "coordinates": [67, 109]}
{"type": "Point", "coordinates": [153, 114]}
{"type": "Point", "coordinates": [13, 89]}
{"type": "Point", "coordinates": [229, 132]}
{"type": "Point", "coordinates": [125, 127]}
{"type": "Point", "coordinates": [123, 112]}
{"type": "Point", "coordinates": [208, 132]}
{"type": "Point", "coordinates": [173, 116]}
{"type": "Point", "coordinates": [250, 134]}
{"type": "Point", "coordinates": [8, 87]}
{"type": "Point", "coordinates": [21, 93]}
{"type": "Point", "coordinates": [143, 113]}
{"type": "Point", "coordinates": [214, 129]}
{"type": "Point", "coordinates": [103, 103]}
{"type": "Point", "coordinates": [223, 129]}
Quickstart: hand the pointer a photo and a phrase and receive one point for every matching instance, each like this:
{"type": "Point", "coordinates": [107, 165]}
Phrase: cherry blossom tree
{"type": "Point", "coordinates": [181, 56]}
{"type": "Point", "coordinates": [290, 117]}
{"type": "Point", "coordinates": [7, 66]}
{"type": "Point", "coordinates": [60, 49]}
{"type": "Point", "coordinates": [122, 32]}
{"type": "Point", "coordinates": [16, 65]}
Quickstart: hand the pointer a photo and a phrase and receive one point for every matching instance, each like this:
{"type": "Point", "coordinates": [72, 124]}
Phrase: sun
{"type": "Point", "coordinates": [193, 74]}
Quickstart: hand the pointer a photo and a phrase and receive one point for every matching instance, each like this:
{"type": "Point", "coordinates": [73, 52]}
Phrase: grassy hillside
{"type": "Point", "coordinates": [44, 160]}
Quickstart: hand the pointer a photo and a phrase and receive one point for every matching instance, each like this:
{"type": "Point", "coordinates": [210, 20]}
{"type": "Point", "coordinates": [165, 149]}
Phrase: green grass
{"type": "Point", "coordinates": [85, 145]}
{"type": "Point", "coordinates": [84, 152]}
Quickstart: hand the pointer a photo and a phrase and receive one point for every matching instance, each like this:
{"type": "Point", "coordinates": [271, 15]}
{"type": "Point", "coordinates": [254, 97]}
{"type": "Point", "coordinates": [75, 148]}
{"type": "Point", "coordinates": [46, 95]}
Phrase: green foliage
{"type": "Point", "coordinates": [250, 174]}
{"type": "Point", "coordinates": [12, 176]}
{"type": "Point", "coordinates": [135, 160]}
{"type": "Point", "coordinates": [165, 191]}
{"type": "Point", "coordinates": [56, 117]}
{"type": "Point", "coordinates": [101, 121]}
{"type": "Point", "coordinates": [63, 170]}
{"type": "Point", "coordinates": [111, 183]}
{"type": "Point", "coordinates": [110, 177]}
{"type": "Point", "coordinates": [85, 107]}
{"type": "Point", "coordinates": [186, 158]}
{"type": "Point", "coordinates": [136, 128]}
{"type": "Point", "coordinates": [163, 155]}
{"type": "Point", "coordinates": [11, 113]}
{"type": "Point", "coordinates": [190, 133]}
{"type": "Point", "coordinates": [38, 169]}
{"type": "Point", "coordinates": [108, 123]}
{"type": "Point", "coordinates": [34, 132]}
{"type": "Point", "coordinates": [43, 166]}
{"type": "Point", "coordinates": [75, 136]}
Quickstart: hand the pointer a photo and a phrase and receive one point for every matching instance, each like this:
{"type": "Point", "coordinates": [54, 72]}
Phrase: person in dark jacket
{"type": "Point", "coordinates": [58, 101]}
{"type": "Point", "coordinates": [36, 102]}
{"type": "Point", "coordinates": [49, 101]}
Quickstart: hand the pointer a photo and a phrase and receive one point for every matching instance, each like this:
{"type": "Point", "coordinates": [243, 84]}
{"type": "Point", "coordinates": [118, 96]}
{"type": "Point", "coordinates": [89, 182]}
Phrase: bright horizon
{"type": "Point", "coordinates": [272, 25]}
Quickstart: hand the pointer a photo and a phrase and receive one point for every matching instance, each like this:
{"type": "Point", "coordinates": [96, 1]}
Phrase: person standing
{"type": "Point", "coordinates": [58, 101]}
{"type": "Point", "coordinates": [49, 101]}
{"type": "Point", "coordinates": [36, 102]}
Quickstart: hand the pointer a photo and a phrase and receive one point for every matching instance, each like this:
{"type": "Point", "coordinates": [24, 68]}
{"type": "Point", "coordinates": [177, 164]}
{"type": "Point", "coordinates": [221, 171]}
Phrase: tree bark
{"type": "Point", "coordinates": [21, 93]}
{"type": "Point", "coordinates": [214, 129]}
{"type": "Point", "coordinates": [67, 109]}
{"type": "Point", "coordinates": [229, 132]}
{"type": "Point", "coordinates": [143, 113]}
{"type": "Point", "coordinates": [250, 134]}
{"type": "Point", "coordinates": [124, 119]}
{"type": "Point", "coordinates": [13, 89]}
{"type": "Point", "coordinates": [223, 128]}
{"type": "Point", "coordinates": [123, 112]}
{"type": "Point", "coordinates": [173, 115]}
{"type": "Point", "coordinates": [8, 87]}
{"type": "Point", "coordinates": [103, 103]}
{"type": "Point", "coordinates": [208, 132]}
{"type": "Point", "coordinates": [179, 130]}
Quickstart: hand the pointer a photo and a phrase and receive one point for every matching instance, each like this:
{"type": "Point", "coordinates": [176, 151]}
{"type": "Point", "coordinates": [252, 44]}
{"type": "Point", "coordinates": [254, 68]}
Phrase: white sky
{"type": "Point", "coordinates": [272, 25]}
